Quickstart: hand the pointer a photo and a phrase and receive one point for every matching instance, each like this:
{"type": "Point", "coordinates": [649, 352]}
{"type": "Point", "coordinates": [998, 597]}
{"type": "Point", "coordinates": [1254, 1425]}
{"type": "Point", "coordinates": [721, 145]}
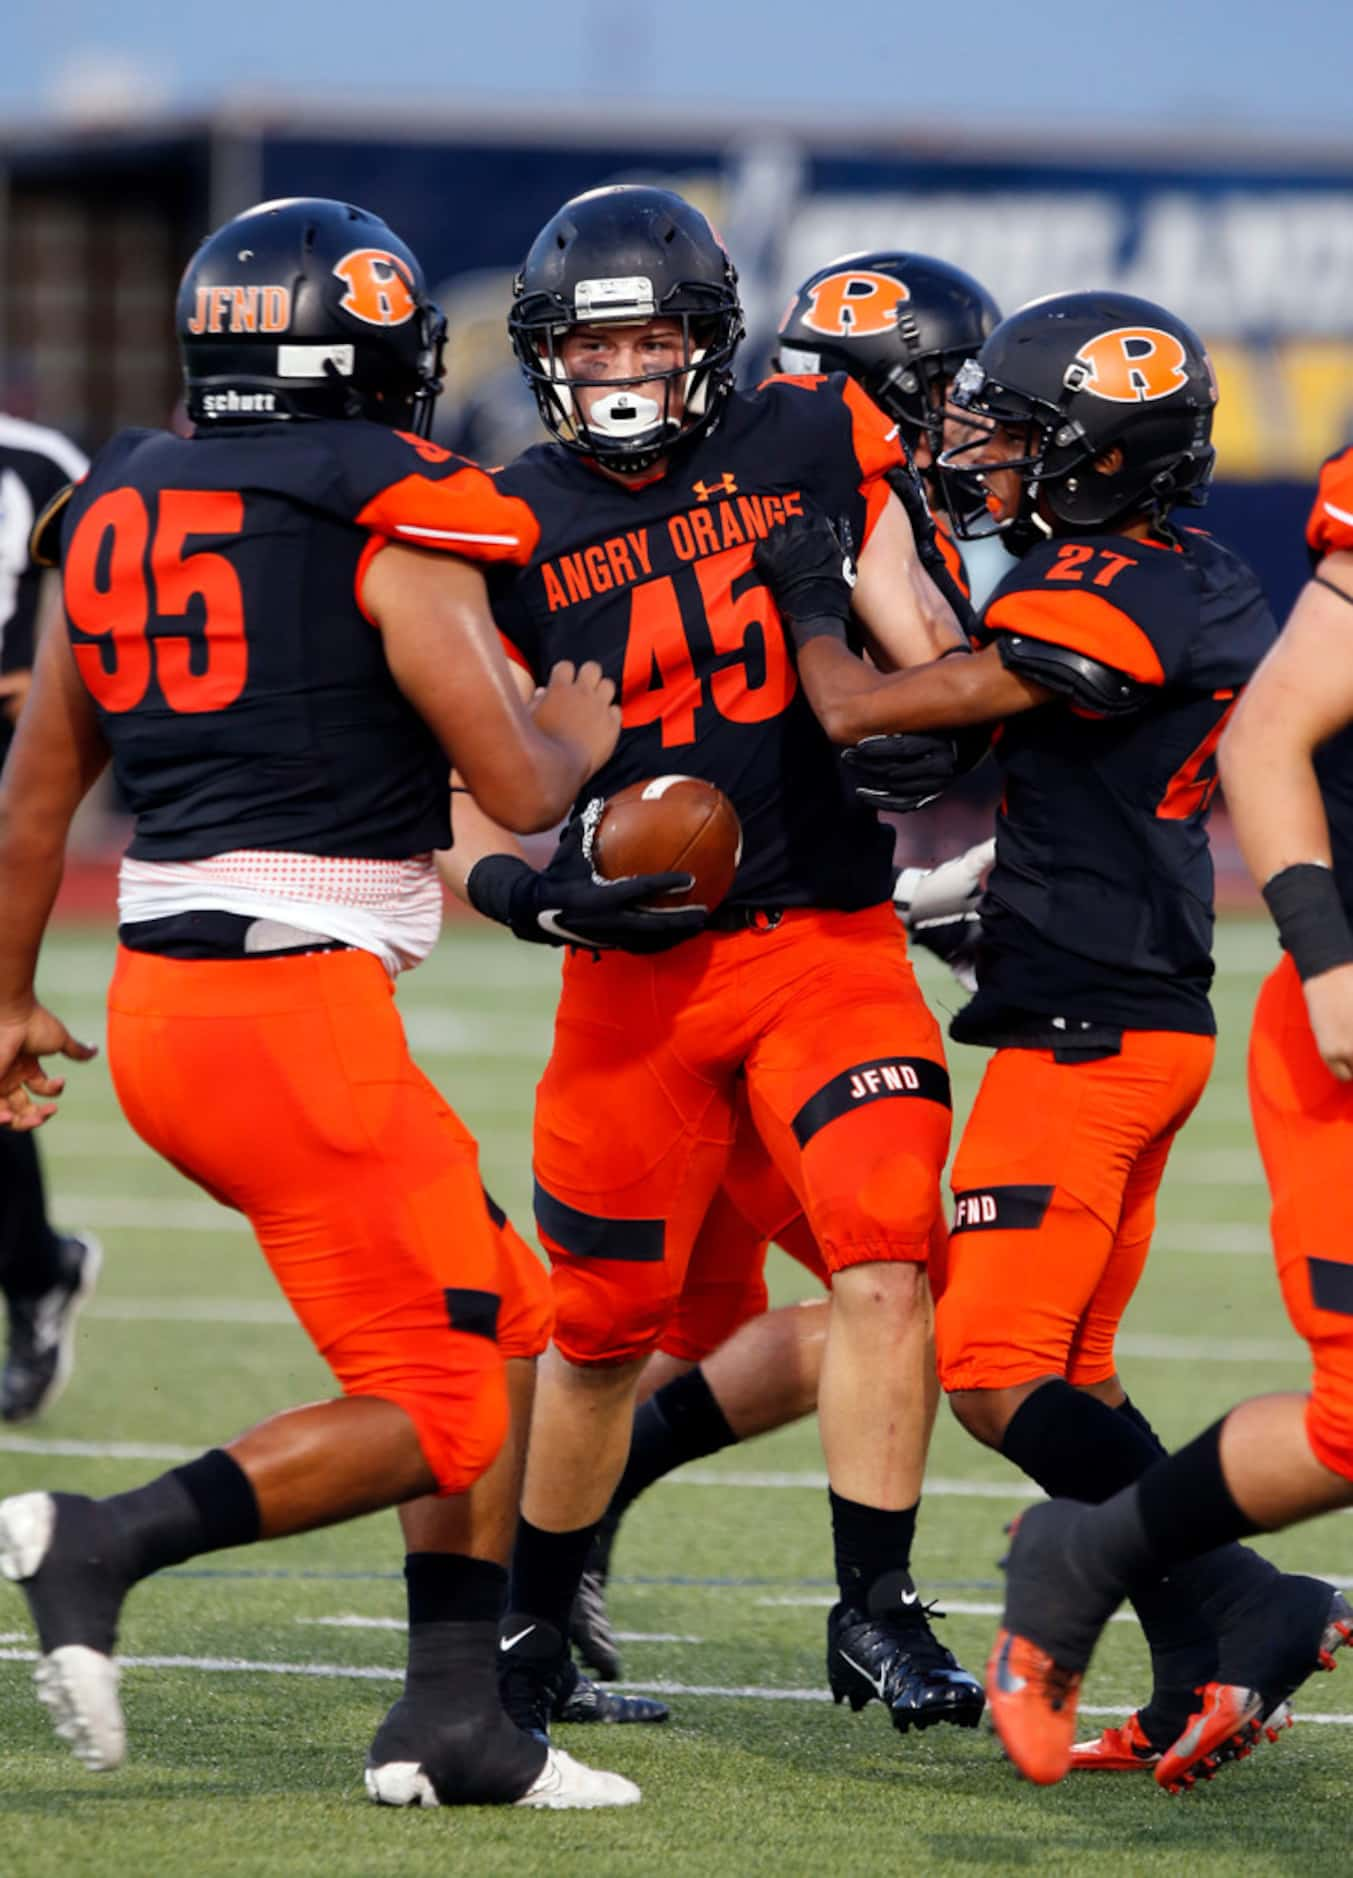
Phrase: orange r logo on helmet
{"type": "Point", "coordinates": [380, 287]}
{"type": "Point", "coordinates": [1133, 364]}
{"type": "Point", "coordinates": [853, 305]}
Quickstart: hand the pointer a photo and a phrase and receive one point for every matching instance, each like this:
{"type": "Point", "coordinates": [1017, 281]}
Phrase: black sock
{"type": "Point", "coordinates": [203, 1507]}
{"type": "Point", "coordinates": [870, 1541]}
{"type": "Point", "coordinates": [1130, 1412]}
{"type": "Point", "coordinates": [1178, 1510]}
{"type": "Point", "coordinates": [681, 1422]}
{"type": "Point", "coordinates": [454, 1606]}
{"type": "Point", "coordinates": [546, 1567]}
{"type": "Point", "coordinates": [1186, 1506]}
{"type": "Point", "coordinates": [29, 1249]}
{"type": "Point", "coordinates": [1075, 1446]}
{"type": "Point", "coordinates": [449, 1588]}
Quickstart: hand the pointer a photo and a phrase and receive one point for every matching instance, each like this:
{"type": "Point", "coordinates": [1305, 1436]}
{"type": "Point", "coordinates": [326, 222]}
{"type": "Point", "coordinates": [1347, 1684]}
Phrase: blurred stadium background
{"type": "Point", "coordinates": [1250, 239]}
{"type": "Point", "coordinates": [1240, 216]}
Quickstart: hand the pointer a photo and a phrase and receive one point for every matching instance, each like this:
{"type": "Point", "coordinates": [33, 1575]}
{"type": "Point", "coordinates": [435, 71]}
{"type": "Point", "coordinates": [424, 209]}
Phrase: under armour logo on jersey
{"type": "Point", "coordinates": [379, 287]}
{"type": "Point", "coordinates": [727, 485]}
{"type": "Point", "coordinates": [855, 304]}
{"type": "Point", "coordinates": [1130, 365]}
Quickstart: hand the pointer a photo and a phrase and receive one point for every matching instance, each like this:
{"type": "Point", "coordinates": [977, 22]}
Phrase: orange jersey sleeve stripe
{"type": "Point", "coordinates": [463, 514]}
{"type": "Point", "coordinates": [1330, 528]}
{"type": "Point", "coordinates": [953, 560]}
{"type": "Point", "coordinates": [515, 655]}
{"type": "Point", "coordinates": [1082, 622]}
{"type": "Point", "coordinates": [373, 547]}
{"type": "Point", "coordinates": [878, 442]}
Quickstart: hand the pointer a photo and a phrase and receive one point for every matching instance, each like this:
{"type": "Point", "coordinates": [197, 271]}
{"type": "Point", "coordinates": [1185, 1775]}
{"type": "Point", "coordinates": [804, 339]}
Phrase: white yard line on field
{"type": "Point", "coordinates": [347, 1671]}
{"type": "Point", "coordinates": [352, 1621]}
{"type": "Point", "coordinates": [1231, 1239]}
{"type": "Point", "coordinates": [1215, 1167]}
{"type": "Point", "coordinates": [823, 1601]}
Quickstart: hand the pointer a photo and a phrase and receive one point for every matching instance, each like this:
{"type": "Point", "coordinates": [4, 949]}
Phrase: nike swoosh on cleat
{"type": "Point", "coordinates": [508, 1643]}
{"type": "Point", "coordinates": [910, 1597]}
{"type": "Point", "coordinates": [875, 1683]}
{"type": "Point", "coordinates": [1006, 1681]}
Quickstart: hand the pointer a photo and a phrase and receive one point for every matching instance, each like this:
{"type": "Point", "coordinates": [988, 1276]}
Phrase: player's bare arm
{"type": "Point", "coordinates": [443, 650]}
{"type": "Point", "coordinates": [57, 755]}
{"type": "Point", "coordinates": [905, 616]}
{"type": "Point", "coordinates": [804, 568]}
{"type": "Point", "coordinates": [1301, 695]}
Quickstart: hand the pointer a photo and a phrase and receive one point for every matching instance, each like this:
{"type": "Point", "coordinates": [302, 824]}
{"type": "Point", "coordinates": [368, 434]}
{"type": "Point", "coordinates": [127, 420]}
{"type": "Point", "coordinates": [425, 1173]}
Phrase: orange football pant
{"type": "Point", "coordinates": [284, 1087]}
{"type": "Point", "coordinates": [844, 1073]}
{"type": "Point", "coordinates": [1055, 1185]}
{"type": "Point", "coordinates": [1303, 1118]}
{"type": "Point", "coordinates": [726, 1278]}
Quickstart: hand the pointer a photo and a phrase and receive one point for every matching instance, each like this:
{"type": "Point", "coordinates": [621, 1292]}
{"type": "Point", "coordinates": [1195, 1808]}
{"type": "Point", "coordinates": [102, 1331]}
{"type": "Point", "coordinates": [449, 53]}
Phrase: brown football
{"type": "Point", "coordinates": [671, 825]}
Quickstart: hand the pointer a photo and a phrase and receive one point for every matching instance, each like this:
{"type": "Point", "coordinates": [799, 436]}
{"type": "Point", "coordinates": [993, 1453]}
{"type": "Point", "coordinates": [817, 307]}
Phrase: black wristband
{"type": "Point", "coordinates": [818, 626]}
{"type": "Point", "coordinates": [1312, 925]}
{"type": "Point", "coordinates": [492, 885]}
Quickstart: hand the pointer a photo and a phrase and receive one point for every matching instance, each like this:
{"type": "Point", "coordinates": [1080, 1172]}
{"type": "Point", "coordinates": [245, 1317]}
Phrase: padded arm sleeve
{"type": "Point", "coordinates": [1088, 683]}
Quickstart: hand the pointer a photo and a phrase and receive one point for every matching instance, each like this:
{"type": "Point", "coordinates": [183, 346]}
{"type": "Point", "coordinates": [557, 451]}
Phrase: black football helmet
{"type": "Point", "coordinates": [1079, 374]}
{"type": "Point", "coordinates": [900, 324]}
{"type": "Point", "coordinates": [622, 255]}
{"type": "Point", "coordinates": [306, 308]}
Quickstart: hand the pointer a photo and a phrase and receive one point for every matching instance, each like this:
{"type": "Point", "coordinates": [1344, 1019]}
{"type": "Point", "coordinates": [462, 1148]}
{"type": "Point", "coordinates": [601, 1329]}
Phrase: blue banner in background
{"type": "Point", "coordinates": [1260, 261]}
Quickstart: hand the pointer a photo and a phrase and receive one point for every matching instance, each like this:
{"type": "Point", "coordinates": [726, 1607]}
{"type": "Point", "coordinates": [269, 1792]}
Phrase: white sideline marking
{"type": "Point", "coordinates": [329, 1672]}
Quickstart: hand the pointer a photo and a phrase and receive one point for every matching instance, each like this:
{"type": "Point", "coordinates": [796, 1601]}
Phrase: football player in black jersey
{"type": "Point", "coordinates": [276, 635]}
{"type": "Point", "coordinates": [650, 501]}
{"type": "Point", "coordinates": [726, 1368]}
{"type": "Point", "coordinates": [1112, 654]}
{"type": "Point", "coordinates": [46, 1276]}
{"type": "Point", "coordinates": [1287, 764]}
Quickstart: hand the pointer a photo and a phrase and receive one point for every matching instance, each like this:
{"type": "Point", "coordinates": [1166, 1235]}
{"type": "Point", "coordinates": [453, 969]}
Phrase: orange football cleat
{"type": "Point", "coordinates": [1122, 1750]}
{"type": "Point", "coordinates": [1224, 1727]}
{"type": "Point", "coordinates": [1033, 1706]}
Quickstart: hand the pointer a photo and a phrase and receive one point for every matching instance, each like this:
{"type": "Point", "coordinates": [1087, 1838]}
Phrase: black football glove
{"type": "Point", "coordinates": [568, 904]}
{"type": "Point", "coordinates": [907, 486]}
{"type": "Point", "coordinates": [810, 576]}
{"type": "Point", "coordinates": [903, 771]}
{"type": "Point", "coordinates": [906, 769]}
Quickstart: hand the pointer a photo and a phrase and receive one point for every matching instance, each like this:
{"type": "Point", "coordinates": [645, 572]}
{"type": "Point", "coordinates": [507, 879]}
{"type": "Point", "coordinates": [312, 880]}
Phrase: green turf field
{"type": "Point", "coordinates": [247, 1743]}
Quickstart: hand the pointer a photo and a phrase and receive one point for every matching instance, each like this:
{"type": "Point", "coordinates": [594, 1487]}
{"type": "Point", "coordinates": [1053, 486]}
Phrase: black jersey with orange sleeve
{"type": "Point", "coordinates": [212, 587]}
{"type": "Point", "coordinates": [1330, 531]}
{"type": "Point", "coordinates": [1099, 909]}
{"type": "Point", "coordinates": [657, 583]}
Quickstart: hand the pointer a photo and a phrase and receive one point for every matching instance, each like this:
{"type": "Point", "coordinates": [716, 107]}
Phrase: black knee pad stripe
{"type": "Point", "coordinates": [496, 1213]}
{"type": "Point", "coordinates": [587, 1236]}
{"type": "Point", "coordinates": [882, 1080]}
{"type": "Point", "coordinates": [1001, 1209]}
{"type": "Point", "coordinates": [475, 1312]}
{"type": "Point", "coordinates": [1331, 1285]}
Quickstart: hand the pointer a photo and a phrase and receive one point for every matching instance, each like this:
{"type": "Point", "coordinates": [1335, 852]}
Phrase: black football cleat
{"type": "Point", "coordinates": [41, 1347]}
{"type": "Point", "coordinates": [888, 1653]}
{"type": "Point", "coordinates": [59, 1549]}
{"type": "Point", "coordinates": [584, 1701]}
{"type": "Point", "coordinates": [589, 1626]}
